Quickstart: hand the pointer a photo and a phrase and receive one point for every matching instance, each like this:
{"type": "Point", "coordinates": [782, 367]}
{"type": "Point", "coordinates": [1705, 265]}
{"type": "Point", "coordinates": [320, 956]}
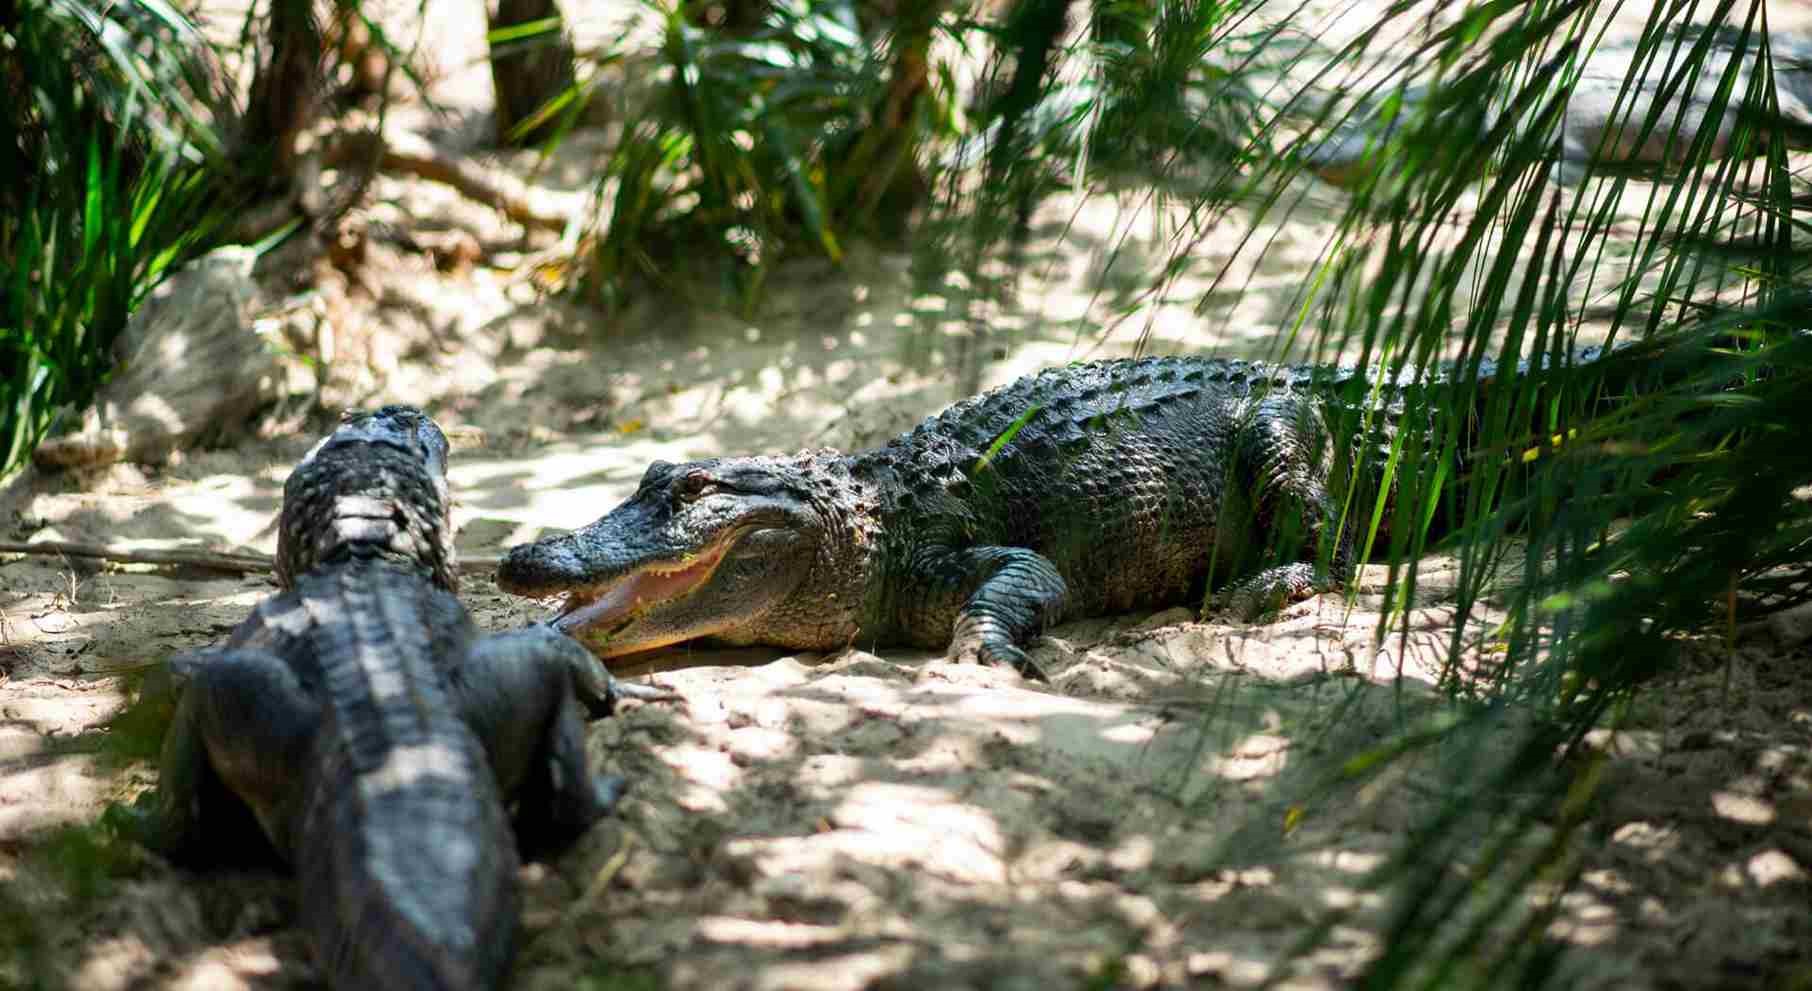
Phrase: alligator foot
{"type": "Point", "coordinates": [988, 641]}
{"type": "Point", "coordinates": [594, 686]}
{"type": "Point", "coordinates": [539, 677]}
{"type": "Point", "coordinates": [1003, 596]}
{"type": "Point", "coordinates": [620, 689]}
{"type": "Point", "coordinates": [1271, 590]}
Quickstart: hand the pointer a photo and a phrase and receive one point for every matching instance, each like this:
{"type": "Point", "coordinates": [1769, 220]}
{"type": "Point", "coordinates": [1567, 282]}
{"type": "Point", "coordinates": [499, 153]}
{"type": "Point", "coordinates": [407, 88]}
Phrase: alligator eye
{"type": "Point", "coordinates": [694, 486]}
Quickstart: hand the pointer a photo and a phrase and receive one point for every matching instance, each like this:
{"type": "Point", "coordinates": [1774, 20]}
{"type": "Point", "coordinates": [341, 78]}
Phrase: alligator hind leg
{"type": "Point", "coordinates": [521, 692]}
{"type": "Point", "coordinates": [1283, 464]}
{"type": "Point", "coordinates": [1004, 597]}
{"type": "Point", "coordinates": [230, 759]}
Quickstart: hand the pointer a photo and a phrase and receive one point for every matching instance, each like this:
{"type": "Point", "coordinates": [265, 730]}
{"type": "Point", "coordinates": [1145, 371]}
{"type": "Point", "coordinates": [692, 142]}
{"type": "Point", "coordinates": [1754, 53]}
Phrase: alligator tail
{"type": "Point", "coordinates": [412, 890]}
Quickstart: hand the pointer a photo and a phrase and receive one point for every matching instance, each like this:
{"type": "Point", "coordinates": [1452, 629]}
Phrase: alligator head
{"type": "Point", "coordinates": [377, 484]}
{"type": "Point", "coordinates": [704, 549]}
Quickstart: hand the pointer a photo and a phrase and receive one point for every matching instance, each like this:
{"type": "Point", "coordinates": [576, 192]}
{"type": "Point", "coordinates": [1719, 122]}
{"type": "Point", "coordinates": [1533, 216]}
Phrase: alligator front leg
{"type": "Point", "coordinates": [1002, 597]}
{"type": "Point", "coordinates": [526, 694]}
{"type": "Point", "coordinates": [231, 759]}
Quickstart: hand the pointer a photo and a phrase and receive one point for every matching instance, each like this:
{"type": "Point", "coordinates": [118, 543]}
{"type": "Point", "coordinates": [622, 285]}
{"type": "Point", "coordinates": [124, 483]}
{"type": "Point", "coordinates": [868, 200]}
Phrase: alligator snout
{"type": "Point", "coordinates": [545, 567]}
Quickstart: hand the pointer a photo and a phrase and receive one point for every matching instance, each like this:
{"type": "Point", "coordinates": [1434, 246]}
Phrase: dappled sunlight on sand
{"type": "Point", "coordinates": [111, 963]}
{"type": "Point", "coordinates": [39, 790]}
{"type": "Point", "coordinates": [911, 816]}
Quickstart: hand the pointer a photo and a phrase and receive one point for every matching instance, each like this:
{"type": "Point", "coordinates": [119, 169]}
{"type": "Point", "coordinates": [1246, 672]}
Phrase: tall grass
{"type": "Point", "coordinates": [111, 127]}
{"type": "Point", "coordinates": [1485, 228]}
{"type": "Point", "coordinates": [730, 159]}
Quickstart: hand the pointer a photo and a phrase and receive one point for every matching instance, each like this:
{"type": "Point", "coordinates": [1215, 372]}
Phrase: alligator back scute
{"type": "Point", "coordinates": [1111, 470]}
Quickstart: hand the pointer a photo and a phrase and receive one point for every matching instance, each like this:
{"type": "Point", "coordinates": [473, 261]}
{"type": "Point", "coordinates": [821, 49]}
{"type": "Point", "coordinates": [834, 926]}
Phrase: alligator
{"type": "Point", "coordinates": [373, 736]}
{"type": "Point", "coordinates": [1083, 490]}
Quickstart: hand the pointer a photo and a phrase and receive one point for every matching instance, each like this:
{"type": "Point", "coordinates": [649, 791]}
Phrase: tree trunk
{"type": "Point", "coordinates": [879, 180]}
{"type": "Point", "coordinates": [1032, 32]}
{"type": "Point", "coordinates": [529, 73]}
{"type": "Point", "coordinates": [287, 87]}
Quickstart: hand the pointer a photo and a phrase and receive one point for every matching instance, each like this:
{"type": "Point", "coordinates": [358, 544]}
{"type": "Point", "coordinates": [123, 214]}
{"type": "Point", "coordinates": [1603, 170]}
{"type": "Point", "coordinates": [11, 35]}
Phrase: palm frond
{"type": "Point", "coordinates": [120, 182]}
{"type": "Point", "coordinates": [1519, 185]}
{"type": "Point", "coordinates": [735, 148]}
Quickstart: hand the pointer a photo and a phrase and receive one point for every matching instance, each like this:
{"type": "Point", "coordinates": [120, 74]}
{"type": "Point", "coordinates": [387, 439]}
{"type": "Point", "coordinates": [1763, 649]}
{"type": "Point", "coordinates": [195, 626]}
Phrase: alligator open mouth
{"type": "Point", "coordinates": [599, 613]}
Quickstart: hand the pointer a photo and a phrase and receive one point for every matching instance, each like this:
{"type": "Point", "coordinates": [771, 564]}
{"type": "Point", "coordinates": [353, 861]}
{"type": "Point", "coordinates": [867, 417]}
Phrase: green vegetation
{"type": "Point", "coordinates": [72, 867]}
{"type": "Point", "coordinates": [733, 148]}
{"type": "Point", "coordinates": [108, 121]}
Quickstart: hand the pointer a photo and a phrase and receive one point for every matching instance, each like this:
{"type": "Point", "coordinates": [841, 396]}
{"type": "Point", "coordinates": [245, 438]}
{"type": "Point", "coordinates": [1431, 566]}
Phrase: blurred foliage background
{"type": "Point", "coordinates": [1480, 167]}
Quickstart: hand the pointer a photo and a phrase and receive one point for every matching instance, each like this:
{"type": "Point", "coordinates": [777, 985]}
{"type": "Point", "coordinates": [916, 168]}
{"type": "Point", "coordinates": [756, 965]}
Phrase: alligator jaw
{"type": "Point", "coordinates": [607, 611]}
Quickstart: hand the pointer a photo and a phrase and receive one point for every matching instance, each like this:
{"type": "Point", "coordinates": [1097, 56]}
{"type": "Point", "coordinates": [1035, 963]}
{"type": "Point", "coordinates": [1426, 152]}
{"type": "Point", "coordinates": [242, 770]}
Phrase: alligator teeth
{"type": "Point", "coordinates": [615, 608]}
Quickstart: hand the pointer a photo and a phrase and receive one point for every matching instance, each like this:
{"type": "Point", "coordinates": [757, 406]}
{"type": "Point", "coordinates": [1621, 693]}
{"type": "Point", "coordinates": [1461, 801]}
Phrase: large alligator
{"type": "Point", "coordinates": [1083, 490]}
{"type": "Point", "coordinates": [374, 736]}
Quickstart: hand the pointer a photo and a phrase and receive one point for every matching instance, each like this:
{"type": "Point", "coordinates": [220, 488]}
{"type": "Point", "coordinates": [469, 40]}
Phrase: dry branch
{"type": "Point", "coordinates": [414, 155]}
{"type": "Point", "coordinates": [403, 153]}
{"type": "Point", "coordinates": [214, 560]}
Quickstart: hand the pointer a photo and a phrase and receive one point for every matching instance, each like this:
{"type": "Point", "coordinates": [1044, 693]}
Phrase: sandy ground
{"type": "Point", "coordinates": [1161, 814]}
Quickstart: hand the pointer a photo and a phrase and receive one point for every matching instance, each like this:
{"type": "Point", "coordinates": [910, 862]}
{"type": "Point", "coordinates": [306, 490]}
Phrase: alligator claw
{"type": "Point", "coordinates": [602, 705]}
{"type": "Point", "coordinates": [1014, 657]}
{"type": "Point", "coordinates": [643, 693]}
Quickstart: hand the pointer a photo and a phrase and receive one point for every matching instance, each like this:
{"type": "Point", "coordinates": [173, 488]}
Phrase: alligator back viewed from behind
{"type": "Point", "coordinates": [374, 735]}
{"type": "Point", "coordinates": [1086, 489]}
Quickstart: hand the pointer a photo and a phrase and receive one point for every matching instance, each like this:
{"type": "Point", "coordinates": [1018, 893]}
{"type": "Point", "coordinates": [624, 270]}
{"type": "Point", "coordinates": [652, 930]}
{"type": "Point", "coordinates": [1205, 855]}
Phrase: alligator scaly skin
{"type": "Point", "coordinates": [374, 735]}
{"type": "Point", "coordinates": [1082, 490]}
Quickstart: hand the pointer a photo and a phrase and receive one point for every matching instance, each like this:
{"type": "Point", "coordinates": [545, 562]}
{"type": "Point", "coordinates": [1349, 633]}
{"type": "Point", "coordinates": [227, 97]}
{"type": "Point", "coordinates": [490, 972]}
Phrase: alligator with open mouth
{"type": "Point", "coordinates": [1083, 490]}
